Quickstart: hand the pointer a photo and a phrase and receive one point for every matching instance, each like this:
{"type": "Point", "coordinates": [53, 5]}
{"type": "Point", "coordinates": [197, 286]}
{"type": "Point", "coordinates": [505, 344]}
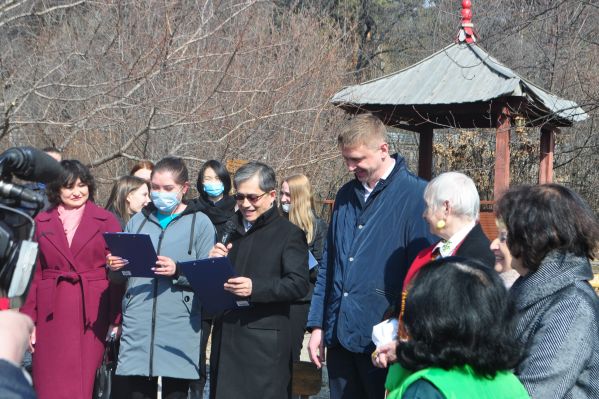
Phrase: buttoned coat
{"type": "Point", "coordinates": [370, 246]}
{"type": "Point", "coordinates": [474, 246]}
{"type": "Point", "coordinates": [251, 346]}
{"type": "Point", "coordinates": [71, 303]}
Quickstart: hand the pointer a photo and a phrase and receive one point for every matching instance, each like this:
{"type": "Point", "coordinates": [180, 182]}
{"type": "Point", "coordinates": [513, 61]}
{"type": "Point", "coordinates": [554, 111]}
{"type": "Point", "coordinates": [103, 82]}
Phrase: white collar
{"type": "Point", "coordinates": [383, 177]}
{"type": "Point", "coordinates": [448, 247]}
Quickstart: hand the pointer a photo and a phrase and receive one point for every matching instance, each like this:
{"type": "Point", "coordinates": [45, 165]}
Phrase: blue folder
{"type": "Point", "coordinates": [207, 277]}
{"type": "Point", "coordinates": [137, 249]}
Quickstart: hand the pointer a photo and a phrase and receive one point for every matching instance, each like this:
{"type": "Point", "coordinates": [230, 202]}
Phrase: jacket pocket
{"type": "Point", "coordinates": [44, 300]}
{"type": "Point", "coordinates": [127, 298]}
{"type": "Point", "coordinates": [187, 299]}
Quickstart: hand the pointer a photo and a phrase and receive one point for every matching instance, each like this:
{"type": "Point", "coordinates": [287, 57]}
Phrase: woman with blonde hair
{"type": "Point", "coordinates": [297, 203]}
{"type": "Point", "coordinates": [128, 196]}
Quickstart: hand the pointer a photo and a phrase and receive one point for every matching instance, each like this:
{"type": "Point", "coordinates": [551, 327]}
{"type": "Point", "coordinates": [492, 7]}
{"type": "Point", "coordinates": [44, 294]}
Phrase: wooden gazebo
{"type": "Point", "coordinates": [462, 86]}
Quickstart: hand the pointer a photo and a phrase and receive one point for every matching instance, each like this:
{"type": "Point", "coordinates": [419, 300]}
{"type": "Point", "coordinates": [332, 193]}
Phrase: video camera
{"type": "Point", "coordinates": [18, 251]}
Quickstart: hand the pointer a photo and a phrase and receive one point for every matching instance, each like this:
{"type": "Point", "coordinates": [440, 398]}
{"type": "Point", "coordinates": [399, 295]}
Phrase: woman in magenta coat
{"type": "Point", "coordinates": [71, 302]}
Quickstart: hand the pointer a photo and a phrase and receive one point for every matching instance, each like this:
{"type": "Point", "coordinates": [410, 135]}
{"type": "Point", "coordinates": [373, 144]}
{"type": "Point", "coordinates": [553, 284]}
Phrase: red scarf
{"type": "Point", "coordinates": [423, 257]}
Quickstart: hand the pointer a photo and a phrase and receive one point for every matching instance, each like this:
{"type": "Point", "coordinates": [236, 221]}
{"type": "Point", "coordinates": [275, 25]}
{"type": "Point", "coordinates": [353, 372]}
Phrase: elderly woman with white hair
{"type": "Point", "coordinates": [452, 213]}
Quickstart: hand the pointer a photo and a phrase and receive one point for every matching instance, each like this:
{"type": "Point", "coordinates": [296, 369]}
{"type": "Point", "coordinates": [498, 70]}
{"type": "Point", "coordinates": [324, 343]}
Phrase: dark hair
{"type": "Point", "coordinates": [266, 175]}
{"type": "Point", "coordinates": [72, 170]}
{"type": "Point", "coordinates": [117, 201]}
{"type": "Point", "coordinates": [174, 165]}
{"type": "Point", "coordinates": [143, 164]}
{"type": "Point", "coordinates": [542, 218]}
{"type": "Point", "coordinates": [220, 171]}
{"type": "Point", "coordinates": [458, 313]}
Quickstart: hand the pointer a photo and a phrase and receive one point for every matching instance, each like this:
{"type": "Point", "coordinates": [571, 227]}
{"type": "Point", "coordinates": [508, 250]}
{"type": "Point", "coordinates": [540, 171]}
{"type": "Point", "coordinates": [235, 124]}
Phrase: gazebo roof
{"type": "Point", "coordinates": [457, 83]}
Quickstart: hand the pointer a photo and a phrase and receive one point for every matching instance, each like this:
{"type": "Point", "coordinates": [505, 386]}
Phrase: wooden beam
{"type": "Point", "coordinates": [425, 153]}
{"type": "Point", "coordinates": [502, 153]}
{"type": "Point", "coordinates": [546, 154]}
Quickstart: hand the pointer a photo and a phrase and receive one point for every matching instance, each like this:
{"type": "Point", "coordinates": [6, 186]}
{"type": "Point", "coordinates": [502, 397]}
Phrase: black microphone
{"type": "Point", "coordinates": [227, 230]}
{"type": "Point", "coordinates": [30, 164]}
{"type": "Point", "coordinates": [9, 190]}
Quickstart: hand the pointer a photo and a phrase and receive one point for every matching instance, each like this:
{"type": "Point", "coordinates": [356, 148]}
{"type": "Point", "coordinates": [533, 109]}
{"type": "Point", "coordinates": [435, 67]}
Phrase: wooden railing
{"type": "Point", "coordinates": [487, 217]}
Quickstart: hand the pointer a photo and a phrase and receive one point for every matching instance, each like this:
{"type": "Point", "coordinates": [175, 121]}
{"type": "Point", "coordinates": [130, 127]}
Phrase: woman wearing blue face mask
{"type": "Point", "coordinates": [214, 185]}
{"type": "Point", "coordinates": [161, 315]}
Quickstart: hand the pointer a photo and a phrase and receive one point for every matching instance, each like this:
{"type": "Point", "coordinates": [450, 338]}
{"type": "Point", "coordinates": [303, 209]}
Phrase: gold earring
{"type": "Point", "coordinates": [440, 224]}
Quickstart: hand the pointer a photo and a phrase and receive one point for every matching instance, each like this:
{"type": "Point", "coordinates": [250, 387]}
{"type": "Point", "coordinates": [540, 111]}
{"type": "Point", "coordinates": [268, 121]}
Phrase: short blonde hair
{"type": "Point", "coordinates": [364, 129]}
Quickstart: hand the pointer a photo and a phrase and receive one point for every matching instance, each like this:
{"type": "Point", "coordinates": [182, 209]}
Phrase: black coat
{"type": "Point", "coordinates": [477, 246]}
{"type": "Point", "coordinates": [218, 213]}
{"type": "Point", "coordinates": [251, 347]}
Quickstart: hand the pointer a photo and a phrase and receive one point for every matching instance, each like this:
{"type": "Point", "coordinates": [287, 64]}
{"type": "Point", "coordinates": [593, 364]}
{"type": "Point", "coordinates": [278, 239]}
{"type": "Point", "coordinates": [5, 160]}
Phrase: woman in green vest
{"type": "Point", "coordinates": [459, 322]}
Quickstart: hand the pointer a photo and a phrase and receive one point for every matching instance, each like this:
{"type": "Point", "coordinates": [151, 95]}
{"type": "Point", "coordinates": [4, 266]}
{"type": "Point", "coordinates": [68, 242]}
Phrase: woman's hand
{"type": "Point", "coordinates": [115, 263]}
{"type": "Point", "coordinates": [219, 250]}
{"type": "Point", "coordinates": [165, 266]}
{"type": "Point", "coordinates": [384, 355]}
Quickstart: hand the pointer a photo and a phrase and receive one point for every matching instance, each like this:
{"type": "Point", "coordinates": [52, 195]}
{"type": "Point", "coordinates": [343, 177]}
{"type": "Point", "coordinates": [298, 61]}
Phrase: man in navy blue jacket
{"type": "Point", "coordinates": [376, 231]}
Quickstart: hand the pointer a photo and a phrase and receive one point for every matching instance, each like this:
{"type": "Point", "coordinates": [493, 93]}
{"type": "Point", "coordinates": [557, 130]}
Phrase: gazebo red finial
{"type": "Point", "coordinates": [466, 33]}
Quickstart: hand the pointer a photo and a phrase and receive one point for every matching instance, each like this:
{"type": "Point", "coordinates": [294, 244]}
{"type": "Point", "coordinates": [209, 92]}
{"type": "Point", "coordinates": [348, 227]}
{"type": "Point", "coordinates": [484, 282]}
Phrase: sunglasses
{"type": "Point", "coordinates": [251, 197]}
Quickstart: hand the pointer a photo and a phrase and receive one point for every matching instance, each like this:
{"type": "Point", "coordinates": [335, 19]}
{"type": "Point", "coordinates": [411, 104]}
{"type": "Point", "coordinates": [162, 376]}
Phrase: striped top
{"type": "Point", "coordinates": [558, 327]}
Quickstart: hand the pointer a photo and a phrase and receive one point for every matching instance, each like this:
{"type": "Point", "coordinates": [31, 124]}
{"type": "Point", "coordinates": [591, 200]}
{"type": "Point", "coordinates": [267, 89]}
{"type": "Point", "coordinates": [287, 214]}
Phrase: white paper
{"type": "Point", "coordinates": [384, 332]}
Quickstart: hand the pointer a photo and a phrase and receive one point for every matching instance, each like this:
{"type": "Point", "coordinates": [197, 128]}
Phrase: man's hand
{"type": "Point", "coordinates": [219, 250]}
{"type": "Point", "coordinates": [240, 286]}
{"type": "Point", "coordinates": [384, 355]}
{"type": "Point", "coordinates": [15, 334]}
{"type": "Point", "coordinates": [316, 348]}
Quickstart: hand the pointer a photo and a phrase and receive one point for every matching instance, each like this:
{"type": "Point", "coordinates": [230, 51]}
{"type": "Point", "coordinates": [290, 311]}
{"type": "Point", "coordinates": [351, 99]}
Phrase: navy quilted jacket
{"type": "Point", "coordinates": [370, 246]}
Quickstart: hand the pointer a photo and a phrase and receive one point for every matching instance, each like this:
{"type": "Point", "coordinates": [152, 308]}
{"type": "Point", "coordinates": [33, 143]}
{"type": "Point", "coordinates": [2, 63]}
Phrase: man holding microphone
{"type": "Point", "coordinates": [251, 346]}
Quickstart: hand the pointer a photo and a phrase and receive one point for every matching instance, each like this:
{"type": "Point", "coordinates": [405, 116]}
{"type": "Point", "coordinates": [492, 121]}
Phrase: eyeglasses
{"type": "Point", "coordinates": [253, 198]}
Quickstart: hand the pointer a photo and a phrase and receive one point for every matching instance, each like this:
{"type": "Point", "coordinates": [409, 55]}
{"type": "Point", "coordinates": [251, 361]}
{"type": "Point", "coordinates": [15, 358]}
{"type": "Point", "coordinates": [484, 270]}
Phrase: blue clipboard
{"type": "Point", "coordinates": [207, 277]}
{"type": "Point", "coordinates": [137, 249]}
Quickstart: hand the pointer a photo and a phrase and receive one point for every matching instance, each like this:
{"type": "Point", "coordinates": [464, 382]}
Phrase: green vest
{"type": "Point", "coordinates": [463, 383]}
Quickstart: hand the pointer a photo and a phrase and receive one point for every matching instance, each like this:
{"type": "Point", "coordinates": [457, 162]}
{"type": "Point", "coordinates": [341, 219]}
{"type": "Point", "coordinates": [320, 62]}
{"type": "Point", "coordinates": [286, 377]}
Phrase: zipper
{"type": "Point", "coordinates": [155, 301]}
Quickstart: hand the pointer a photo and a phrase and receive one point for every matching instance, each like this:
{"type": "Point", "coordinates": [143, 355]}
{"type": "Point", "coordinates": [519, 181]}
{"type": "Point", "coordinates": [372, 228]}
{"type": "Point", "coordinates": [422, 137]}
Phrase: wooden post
{"type": "Point", "coordinates": [425, 153]}
{"type": "Point", "coordinates": [502, 153]}
{"type": "Point", "coordinates": [546, 154]}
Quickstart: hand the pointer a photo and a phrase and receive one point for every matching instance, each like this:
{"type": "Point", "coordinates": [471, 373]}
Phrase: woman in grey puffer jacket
{"type": "Point", "coordinates": [551, 233]}
{"type": "Point", "coordinates": [161, 315]}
